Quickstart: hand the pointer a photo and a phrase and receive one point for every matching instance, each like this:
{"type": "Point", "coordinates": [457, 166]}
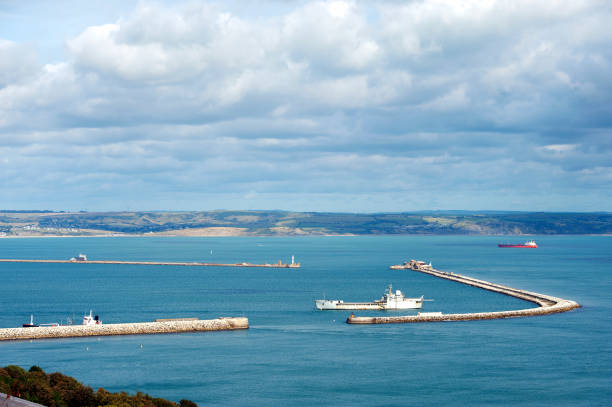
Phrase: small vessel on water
{"type": "Point", "coordinates": [412, 265]}
{"type": "Point", "coordinates": [390, 300]}
{"type": "Point", "coordinates": [33, 325]}
{"type": "Point", "coordinates": [91, 320]}
{"type": "Point", "coordinates": [80, 257]}
{"type": "Point", "coordinates": [527, 245]}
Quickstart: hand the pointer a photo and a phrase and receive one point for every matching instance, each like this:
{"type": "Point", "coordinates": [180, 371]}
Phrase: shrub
{"type": "Point", "coordinates": [58, 390]}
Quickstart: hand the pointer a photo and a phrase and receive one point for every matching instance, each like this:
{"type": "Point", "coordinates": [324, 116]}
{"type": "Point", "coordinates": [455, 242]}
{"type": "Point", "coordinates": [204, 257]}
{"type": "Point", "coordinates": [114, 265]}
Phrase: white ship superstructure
{"type": "Point", "coordinates": [389, 301]}
{"type": "Point", "coordinates": [91, 320]}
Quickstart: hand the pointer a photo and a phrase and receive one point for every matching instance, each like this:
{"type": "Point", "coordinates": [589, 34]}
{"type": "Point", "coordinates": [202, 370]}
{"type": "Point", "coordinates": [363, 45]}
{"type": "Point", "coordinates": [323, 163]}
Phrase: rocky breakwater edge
{"type": "Point", "coordinates": [546, 304]}
{"type": "Point", "coordinates": [137, 328]}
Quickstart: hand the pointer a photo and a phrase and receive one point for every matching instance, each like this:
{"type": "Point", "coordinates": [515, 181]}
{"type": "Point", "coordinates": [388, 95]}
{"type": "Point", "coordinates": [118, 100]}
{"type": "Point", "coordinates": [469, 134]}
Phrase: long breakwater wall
{"type": "Point", "coordinates": [139, 328]}
{"type": "Point", "coordinates": [156, 263]}
{"type": "Point", "coordinates": [546, 304]}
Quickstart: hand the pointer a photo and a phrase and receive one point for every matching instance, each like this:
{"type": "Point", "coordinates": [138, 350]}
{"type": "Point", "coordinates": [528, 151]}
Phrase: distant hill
{"type": "Point", "coordinates": [282, 223]}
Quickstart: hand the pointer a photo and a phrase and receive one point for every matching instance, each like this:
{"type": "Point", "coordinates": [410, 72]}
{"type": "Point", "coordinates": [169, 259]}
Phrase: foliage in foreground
{"type": "Point", "coordinates": [58, 390]}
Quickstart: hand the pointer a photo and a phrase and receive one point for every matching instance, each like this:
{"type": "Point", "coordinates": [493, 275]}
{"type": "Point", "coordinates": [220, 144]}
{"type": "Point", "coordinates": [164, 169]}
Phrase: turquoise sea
{"type": "Point", "coordinates": [294, 355]}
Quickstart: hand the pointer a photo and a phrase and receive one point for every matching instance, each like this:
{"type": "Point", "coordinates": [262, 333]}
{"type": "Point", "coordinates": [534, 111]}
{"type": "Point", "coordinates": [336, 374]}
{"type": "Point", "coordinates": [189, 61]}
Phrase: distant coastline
{"type": "Point", "coordinates": [219, 223]}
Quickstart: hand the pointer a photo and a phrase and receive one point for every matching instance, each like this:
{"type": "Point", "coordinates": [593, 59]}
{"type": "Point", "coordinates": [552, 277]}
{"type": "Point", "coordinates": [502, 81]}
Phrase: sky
{"type": "Point", "coordinates": [339, 106]}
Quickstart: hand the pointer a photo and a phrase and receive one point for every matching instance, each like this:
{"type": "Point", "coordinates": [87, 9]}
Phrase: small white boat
{"type": "Point", "coordinates": [390, 300]}
{"type": "Point", "coordinates": [91, 320]}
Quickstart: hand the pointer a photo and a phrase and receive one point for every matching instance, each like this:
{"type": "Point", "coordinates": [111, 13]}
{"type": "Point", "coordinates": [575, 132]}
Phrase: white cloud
{"type": "Point", "coordinates": [559, 148]}
{"type": "Point", "coordinates": [330, 36]}
{"type": "Point", "coordinates": [18, 62]}
{"type": "Point", "coordinates": [98, 48]}
{"type": "Point", "coordinates": [319, 96]}
{"type": "Point", "coordinates": [453, 100]}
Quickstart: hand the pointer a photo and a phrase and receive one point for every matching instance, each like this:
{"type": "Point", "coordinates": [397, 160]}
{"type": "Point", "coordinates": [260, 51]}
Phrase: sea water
{"type": "Point", "coordinates": [295, 355]}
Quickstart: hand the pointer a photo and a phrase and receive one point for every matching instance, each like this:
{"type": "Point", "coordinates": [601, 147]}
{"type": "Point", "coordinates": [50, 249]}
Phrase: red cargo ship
{"type": "Point", "coordinates": [527, 245]}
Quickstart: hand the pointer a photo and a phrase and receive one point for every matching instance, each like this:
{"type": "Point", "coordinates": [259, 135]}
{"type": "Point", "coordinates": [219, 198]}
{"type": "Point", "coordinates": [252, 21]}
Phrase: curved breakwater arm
{"type": "Point", "coordinates": [546, 303]}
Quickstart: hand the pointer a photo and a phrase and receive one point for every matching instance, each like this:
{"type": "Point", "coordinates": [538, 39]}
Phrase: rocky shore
{"type": "Point", "coordinates": [139, 328]}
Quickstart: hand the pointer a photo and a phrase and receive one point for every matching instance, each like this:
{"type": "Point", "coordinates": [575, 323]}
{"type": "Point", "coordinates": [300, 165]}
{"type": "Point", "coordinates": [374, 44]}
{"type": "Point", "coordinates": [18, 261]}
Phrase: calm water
{"type": "Point", "coordinates": [294, 355]}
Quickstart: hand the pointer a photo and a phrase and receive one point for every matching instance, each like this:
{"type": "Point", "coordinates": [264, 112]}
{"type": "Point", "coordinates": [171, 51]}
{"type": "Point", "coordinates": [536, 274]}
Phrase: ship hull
{"type": "Point", "coordinates": [518, 246]}
{"type": "Point", "coordinates": [340, 305]}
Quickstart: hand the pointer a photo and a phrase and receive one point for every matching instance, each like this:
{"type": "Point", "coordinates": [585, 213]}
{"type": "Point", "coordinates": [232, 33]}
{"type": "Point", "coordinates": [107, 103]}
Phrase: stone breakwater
{"type": "Point", "coordinates": [157, 263]}
{"type": "Point", "coordinates": [139, 328]}
{"type": "Point", "coordinates": [546, 304]}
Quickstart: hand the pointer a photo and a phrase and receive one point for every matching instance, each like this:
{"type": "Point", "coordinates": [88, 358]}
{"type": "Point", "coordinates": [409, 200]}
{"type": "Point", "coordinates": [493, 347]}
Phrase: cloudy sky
{"type": "Point", "coordinates": [306, 105]}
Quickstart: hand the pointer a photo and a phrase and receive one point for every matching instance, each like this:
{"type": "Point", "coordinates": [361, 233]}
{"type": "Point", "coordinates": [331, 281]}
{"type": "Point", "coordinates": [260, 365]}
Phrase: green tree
{"type": "Point", "coordinates": [58, 390]}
